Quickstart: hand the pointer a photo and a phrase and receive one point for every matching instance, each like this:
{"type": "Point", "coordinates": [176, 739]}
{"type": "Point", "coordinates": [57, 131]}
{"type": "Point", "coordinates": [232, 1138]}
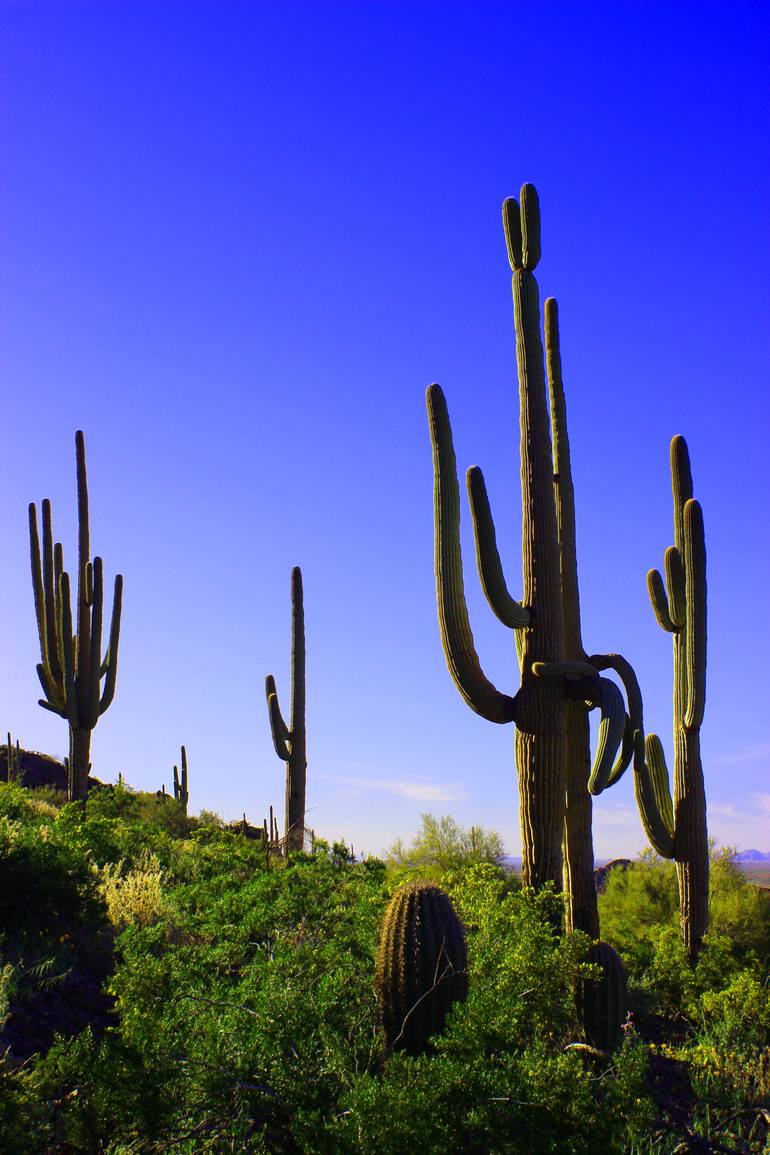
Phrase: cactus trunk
{"type": "Point", "coordinates": [79, 764]}
{"type": "Point", "coordinates": [541, 722]}
{"type": "Point", "coordinates": [582, 911]}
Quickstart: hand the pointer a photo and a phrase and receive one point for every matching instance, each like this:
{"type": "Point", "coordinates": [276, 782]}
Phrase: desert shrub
{"type": "Point", "coordinates": [133, 897]}
{"type": "Point", "coordinates": [46, 887]}
{"type": "Point", "coordinates": [639, 916]}
{"type": "Point", "coordinates": [441, 845]}
{"type": "Point", "coordinates": [15, 802]}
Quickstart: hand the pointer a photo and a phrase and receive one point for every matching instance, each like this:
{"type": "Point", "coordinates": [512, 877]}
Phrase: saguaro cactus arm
{"type": "Point", "coordinates": [510, 612]}
{"type": "Point", "coordinates": [278, 728]}
{"type": "Point", "coordinates": [695, 614]}
{"type": "Point", "coordinates": [653, 795]}
{"type": "Point", "coordinates": [456, 634]}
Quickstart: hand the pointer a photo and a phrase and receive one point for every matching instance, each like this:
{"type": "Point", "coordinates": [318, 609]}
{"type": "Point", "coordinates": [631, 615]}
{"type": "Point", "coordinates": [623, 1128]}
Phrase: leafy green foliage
{"type": "Point", "coordinates": [238, 1009]}
{"type": "Point", "coordinates": [442, 844]}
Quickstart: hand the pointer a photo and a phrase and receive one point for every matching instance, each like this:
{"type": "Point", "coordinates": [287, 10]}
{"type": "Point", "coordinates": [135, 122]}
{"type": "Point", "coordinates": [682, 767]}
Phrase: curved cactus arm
{"type": "Point", "coordinates": [625, 672]}
{"type": "Point", "coordinates": [456, 635]}
{"type": "Point", "coordinates": [695, 658]}
{"type": "Point", "coordinates": [653, 794]}
{"type": "Point", "coordinates": [634, 719]}
{"type": "Point", "coordinates": [60, 710]}
{"type": "Point", "coordinates": [278, 728]}
{"type": "Point", "coordinates": [510, 612]}
{"type": "Point", "coordinates": [626, 754]}
{"type": "Point", "coordinates": [611, 729]}
{"type": "Point", "coordinates": [659, 601]}
{"type": "Point", "coordinates": [110, 665]}
{"type": "Point", "coordinates": [675, 585]}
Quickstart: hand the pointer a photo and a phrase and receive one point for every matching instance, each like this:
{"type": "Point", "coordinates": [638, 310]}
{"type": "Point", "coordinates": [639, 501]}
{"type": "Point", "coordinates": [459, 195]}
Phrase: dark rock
{"type": "Point", "coordinates": [39, 770]}
{"type": "Point", "coordinates": [601, 873]}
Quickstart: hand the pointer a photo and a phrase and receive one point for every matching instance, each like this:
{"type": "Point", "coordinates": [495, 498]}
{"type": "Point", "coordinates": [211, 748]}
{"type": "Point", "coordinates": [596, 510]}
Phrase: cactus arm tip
{"type": "Point", "coordinates": [530, 226]}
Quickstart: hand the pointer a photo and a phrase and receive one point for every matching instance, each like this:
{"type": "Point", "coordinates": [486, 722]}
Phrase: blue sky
{"type": "Point", "coordinates": [239, 240]}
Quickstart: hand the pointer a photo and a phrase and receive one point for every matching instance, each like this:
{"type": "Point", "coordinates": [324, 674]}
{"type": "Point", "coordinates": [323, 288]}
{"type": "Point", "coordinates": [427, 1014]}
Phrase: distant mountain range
{"type": "Point", "coordinates": [514, 863]}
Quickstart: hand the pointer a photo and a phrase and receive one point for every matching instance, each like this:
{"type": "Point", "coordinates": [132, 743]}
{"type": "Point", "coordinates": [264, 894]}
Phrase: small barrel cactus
{"type": "Point", "coordinates": [421, 966]}
{"type": "Point", "coordinates": [604, 1000]}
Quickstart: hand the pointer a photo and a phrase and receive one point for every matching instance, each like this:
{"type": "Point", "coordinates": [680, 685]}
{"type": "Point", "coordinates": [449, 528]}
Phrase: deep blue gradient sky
{"type": "Point", "coordinates": [239, 240]}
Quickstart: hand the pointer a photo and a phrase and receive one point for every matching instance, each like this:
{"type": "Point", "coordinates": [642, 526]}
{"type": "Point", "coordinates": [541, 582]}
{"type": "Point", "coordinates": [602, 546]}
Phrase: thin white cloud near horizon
{"type": "Point", "coordinates": [415, 791]}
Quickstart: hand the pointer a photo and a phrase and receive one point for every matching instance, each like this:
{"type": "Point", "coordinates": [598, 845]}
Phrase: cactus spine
{"type": "Point", "coordinates": [71, 667]}
{"type": "Point", "coordinates": [181, 793]}
{"type": "Point", "coordinates": [605, 1000]}
{"type": "Point", "coordinates": [421, 967]}
{"type": "Point", "coordinates": [559, 683]}
{"type": "Point", "coordinates": [678, 830]}
{"type": "Point", "coordinates": [290, 741]}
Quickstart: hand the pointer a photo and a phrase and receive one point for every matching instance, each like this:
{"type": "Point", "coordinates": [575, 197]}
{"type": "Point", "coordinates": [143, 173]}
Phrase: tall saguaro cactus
{"type": "Point", "coordinates": [679, 830]}
{"type": "Point", "coordinates": [71, 667]}
{"type": "Point", "coordinates": [559, 683]}
{"type": "Point", "coordinates": [290, 741]}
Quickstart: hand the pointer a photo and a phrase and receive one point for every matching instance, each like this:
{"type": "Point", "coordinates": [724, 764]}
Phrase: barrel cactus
{"type": "Point", "coordinates": [421, 967]}
{"type": "Point", "coordinates": [605, 1000]}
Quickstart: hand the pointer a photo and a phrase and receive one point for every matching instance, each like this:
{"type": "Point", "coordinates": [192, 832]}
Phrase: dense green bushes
{"type": "Point", "coordinates": [244, 1016]}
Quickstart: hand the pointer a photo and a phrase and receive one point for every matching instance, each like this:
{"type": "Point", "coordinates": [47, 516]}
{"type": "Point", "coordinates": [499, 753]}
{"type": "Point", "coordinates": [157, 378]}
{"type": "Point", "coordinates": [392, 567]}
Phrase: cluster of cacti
{"type": "Point", "coordinates": [604, 1001]}
{"type": "Point", "coordinates": [181, 793]}
{"type": "Point", "coordinates": [289, 741]}
{"type": "Point", "coordinates": [678, 830]}
{"type": "Point", "coordinates": [559, 683]}
{"type": "Point", "coordinates": [270, 836]}
{"type": "Point", "coordinates": [421, 967]}
{"type": "Point", "coordinates": [12, 760]}
{"type": "Point", "coordinates": [72, 667]}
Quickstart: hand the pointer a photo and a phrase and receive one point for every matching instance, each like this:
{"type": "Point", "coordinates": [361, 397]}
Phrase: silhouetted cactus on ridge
{"type": "Point", "coordinates": [181, 791]}
{"type": "Point", "coordinates": [290, 741]}
{"type": "Point", "coordinates": [71, 667]}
